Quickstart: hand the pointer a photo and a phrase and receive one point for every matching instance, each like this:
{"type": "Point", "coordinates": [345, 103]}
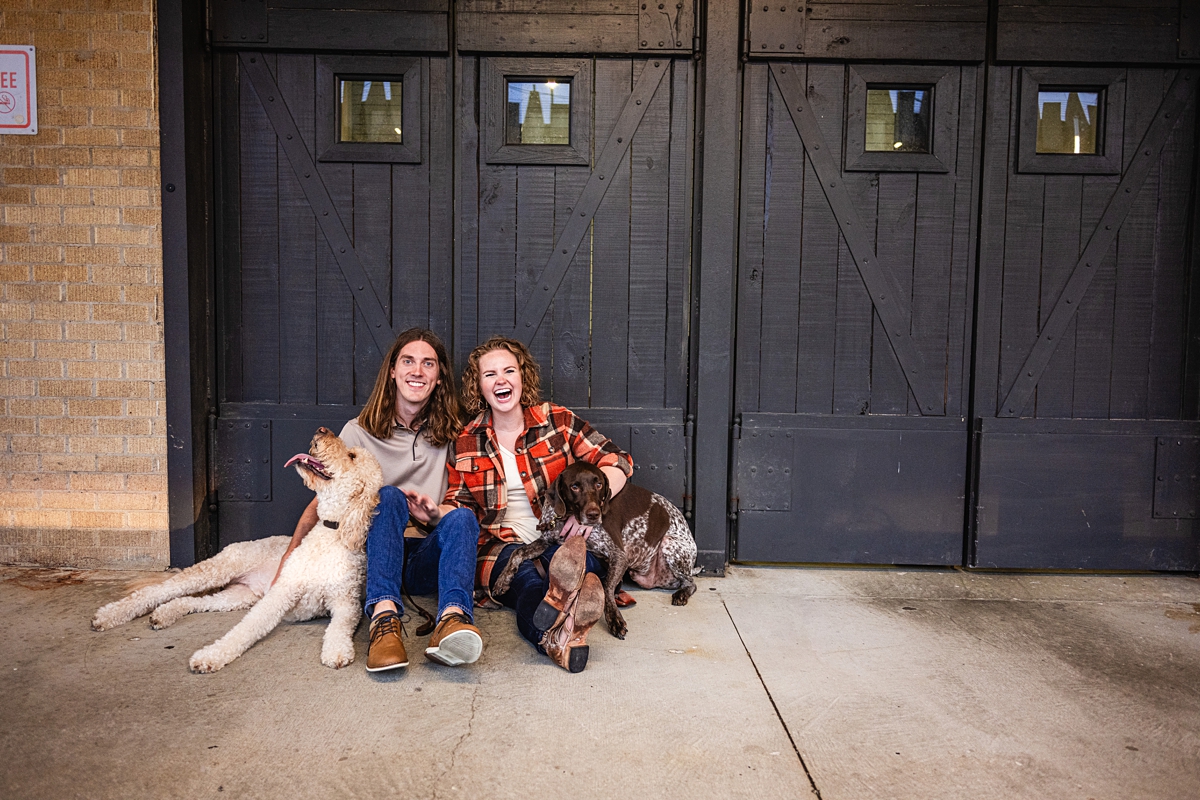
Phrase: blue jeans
{"type": "Point", "coordinates": [528, 587]}
{"type": "Point", "coordinates": [444, 560]}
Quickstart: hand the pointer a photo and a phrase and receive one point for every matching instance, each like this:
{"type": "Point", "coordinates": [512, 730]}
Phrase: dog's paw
{"type": "Point", "coordinates": [206, 660]}
{"type": "Point", "coordinates": [616, 623]}
{"type": "Point", "coordinates": [105, 619]}
{"type": "Point", "coordinates": [337, 657]}
{"type": "Point", "coordinates": [163, 619]}
{"type": "Point", "coordinates": [502, 583]}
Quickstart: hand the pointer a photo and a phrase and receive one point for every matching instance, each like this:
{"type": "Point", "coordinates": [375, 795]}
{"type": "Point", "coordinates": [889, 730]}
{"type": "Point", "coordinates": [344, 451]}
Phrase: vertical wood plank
{"type": "Point", "coordinates": [679, 235]}
{"type": "Point", "coordinates": [228, 277]}
{"type": "Point", "coordinates": [1093, 324]}
{"type": "Point", "coordinates": [372, 236]}
{"type": "Point", "coordinates": [610, 247]}
{"type": "Point", "coordinates": [535, 240]}
{"type": "Point", "coordinates": [816, 342]}
{"type": "Point", "coordinates": [895, 240]}
{"type": "Point", "coordinates": [1134, 297]}
{"type": "Point", "coordinates": [438, 134]}
{"type": "Point", "coordinates": [783, 198]}
{"type": "Point", "coordinates": [297, 245]}
{"type": "Point", "coordinates": [468, 200]}
{"type": "Point", "coordinates": [260, 251]}
{"type": "Point", "coordinates": [1061, 246]}
{"type": "Point", "coordinates": [1168, 329]}
{"type": "Point", "coordinates": [497, 249]}
{"type": "Point", "coordinates": [338, 341]}
{"type": "Point", "coordinates": [648, 226]}
{"type": "Point", "coordinates": [572, 324]}
{"type": "Point", "coordinates": [959, 332]}
{"type": "Point", "coordinates": [755, 89]}
{"type": "Point", "coordinates": [933, 267]}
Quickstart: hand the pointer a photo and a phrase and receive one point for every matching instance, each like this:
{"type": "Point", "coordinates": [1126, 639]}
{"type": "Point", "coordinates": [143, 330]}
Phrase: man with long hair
{"type": "Point", "coordinates": [408, 423]}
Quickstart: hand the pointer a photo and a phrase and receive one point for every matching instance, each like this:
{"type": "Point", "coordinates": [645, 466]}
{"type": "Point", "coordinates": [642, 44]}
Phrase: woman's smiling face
{"type": "Point", "coordinates": [500, 380]}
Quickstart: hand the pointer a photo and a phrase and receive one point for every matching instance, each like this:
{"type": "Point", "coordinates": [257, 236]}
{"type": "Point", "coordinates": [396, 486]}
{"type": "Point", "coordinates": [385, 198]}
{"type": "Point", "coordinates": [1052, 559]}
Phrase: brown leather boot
{"type": "Point", "coordinates": [454, 641]}
{"type": "Point", "coordinates": [386, 650]}
{"type": "Point", "coordinates": [566, 642]}
{"type": "Point", "coordinates": [566, 574]}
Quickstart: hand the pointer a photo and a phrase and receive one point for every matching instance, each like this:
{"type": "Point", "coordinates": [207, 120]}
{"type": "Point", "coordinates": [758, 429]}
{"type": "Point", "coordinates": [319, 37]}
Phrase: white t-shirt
{"type": "Point", "coordinates": [518, 514]}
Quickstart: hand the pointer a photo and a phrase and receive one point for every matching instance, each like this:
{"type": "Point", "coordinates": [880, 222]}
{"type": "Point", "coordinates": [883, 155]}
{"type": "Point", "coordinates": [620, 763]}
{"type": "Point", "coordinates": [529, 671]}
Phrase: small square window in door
{"type": "Point", "coordinates": [371, 110]}
{"type": "Point", "coordinates": [899, 119]}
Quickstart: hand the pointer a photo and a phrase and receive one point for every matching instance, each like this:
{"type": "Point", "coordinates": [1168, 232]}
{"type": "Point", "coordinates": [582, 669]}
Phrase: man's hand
{"type": "Point", "coordinates": [422, 508]}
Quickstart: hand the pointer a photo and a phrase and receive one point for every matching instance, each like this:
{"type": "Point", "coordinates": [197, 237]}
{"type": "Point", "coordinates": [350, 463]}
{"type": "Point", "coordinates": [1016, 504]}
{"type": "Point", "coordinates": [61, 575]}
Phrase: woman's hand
{"type": "Point", "coordinates": [572, 528]}
{"type": "Point", "coordinates": [422, 508]}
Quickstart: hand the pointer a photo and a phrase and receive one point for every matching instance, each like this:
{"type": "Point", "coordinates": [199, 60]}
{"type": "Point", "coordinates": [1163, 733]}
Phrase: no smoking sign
{"type": "Point", "coordinates": [18, 89]}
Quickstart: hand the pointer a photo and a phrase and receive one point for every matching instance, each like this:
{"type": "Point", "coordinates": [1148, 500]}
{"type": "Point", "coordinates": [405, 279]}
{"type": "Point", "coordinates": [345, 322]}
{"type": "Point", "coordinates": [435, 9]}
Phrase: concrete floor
{"type": "Point", "coordinates": [772, 683]}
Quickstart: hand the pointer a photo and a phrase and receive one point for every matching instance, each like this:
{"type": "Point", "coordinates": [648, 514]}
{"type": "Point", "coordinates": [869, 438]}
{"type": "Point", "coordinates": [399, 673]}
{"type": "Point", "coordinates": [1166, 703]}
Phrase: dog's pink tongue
{"type": "Point", "coordinates": [305, 458]}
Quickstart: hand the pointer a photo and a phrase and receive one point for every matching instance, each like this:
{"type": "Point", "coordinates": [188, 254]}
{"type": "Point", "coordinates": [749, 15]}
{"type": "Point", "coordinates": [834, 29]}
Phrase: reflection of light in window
{"type": "Point", "coordinates": [1068, 122]}
{"type": "Point", "coordinates": [918, 98]}
{"type": "Point", "coordinates": [538, 112]}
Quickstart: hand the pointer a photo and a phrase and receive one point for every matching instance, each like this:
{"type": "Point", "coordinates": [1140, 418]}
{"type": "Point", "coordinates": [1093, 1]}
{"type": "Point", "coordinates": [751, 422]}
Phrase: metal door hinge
{"type": "Point", "coordinates": [737, 427]}
{"type": "Point", "coordinates": [689, 426]}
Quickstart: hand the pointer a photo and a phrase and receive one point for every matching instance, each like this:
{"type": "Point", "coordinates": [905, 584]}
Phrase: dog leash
{"type": "Point", "coordinates": [430, 623]}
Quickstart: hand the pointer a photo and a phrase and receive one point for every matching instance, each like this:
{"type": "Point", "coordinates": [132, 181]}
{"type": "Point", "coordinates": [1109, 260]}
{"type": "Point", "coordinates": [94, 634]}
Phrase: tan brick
{"type": "Point", "coordinates": [143, 333]}
{"type": "Point", "coordinates": [60, 310]}
{"type": "Point", "coordinates": [31, 292]}
{"type": "Point", "coordinates": [98, 482]}
{"type": "Point", "coordinates": [40, 480]}
{"type": "Point", "coordinates": [12, 463]}
{"type": "Point", "coordinates": [147, 445]}
{"type": "Point", "coordinates": [35, 369]}
{"type": "Point", "coordinates": [34, 253]}
{"type": "Point", "coordinates": [122, 235]}
{"type": "Point", "coordinates": [33, 215]}
{"type": "Point", "coordinates": [31, 176]}
{"type": "Point", "coordinates": [139, 137]}
{"type": "Point", "coordinates": [97, 519]}
{"type": "Point", "coordinates": [91, 215]}
{"type": "Point", "coordinates": [92, 136]}
{"type": "Point", "coordinates": [147, 256]}
{"type": "Point", "coordinates": [62, 156]}
{"type": "Point", "coordinates": [40, 407]}
{"type": "Point", "coordinates": [33, 331]}
{"type": "Point", "coordinates": [15, 273]}
{"type": "Point", "coordinates": [17, 20]}
{"type": "Point", "coordinates": [65, 462]}
{"type": "Point", "coordinates": [121, 157]}
{"type": "Point", "coordinates": [62, 234]}
{"type": "Point", "coordinates": [62, 196]}
{"type": "Point", "coordinates": [123, 312]}
{"type": "Point", "coordinates": [18, 500]}
{"type": "Point", "coordinates": [67, 426]}
{"type": "Point", "coordinates": [142, 408]}
{"type": "Point", "coordinates": [38, 444]}
{"type": "Point", "coordinates": [107, 445]}
{"type": "Point", "coordinates": [93, 331]}
{"type": "Point", "coordinates": [23, 425]}
{"type": "Point", "coordinates": [59, 273]}
{"type": "Point", "coordinates": [60, 78]}
{"type": "Point", "coordinates": [127, 464]}
{"type": "Point", "coordinates": [67, 350]}
{"type": "Point", "coordinates": [93, 369]}
{"type": "Point", "coordinates": [139, 177]}
{"type": "Point", "coordinates": [148, 519]}
{"type": "Point", "coordinates": [129, 501]}
{"type": "Point", "coordinates": [65, 388]}
{"type": "Point", "coordinates": [92, 255]}
{"type": "Point", "coordinates": [92, 177]}
{"type": "Point", "coordinates": [90, 293]}
{"type": "Point", "coordinates": [121, 275]}
{"type": "Point", "coordinates": [15, 194]}
{"type": "Point", "coordinates": [15, 311]}
{"type": "Point", "coordinates": [132, 41]}
{"type": "Point", "coordinates": [123, 427]}
{"type": "Point", "coordinates": [135, 22]}
{"type": "Point", "coordinates": [121, 197]}
{"type": "Point", "coordinates": [91, 21]}
{"type": "Point", "coordinates": [16, 233]}
{"type": "Point", "coordinates": [65, 117]}
{"type": "Point", "coordinates": [10, 349]}
{"type": "Point", "coordinates": [42, 519]}
{"type": "Point", "coordinates": [120, 117]}
{"type": "Point", "coordinates": [122, 79]}
{"type": "Point", "coordinates": [149, 371]}
{"type": "Point", "coordinates": [18, 387]}
{"type": "Point", "coordinates": [94, 408]}
{"type": "Point", "coordinates": [123, 351]}
{"type": "Point", "coordinates": [137, 98]}
{"type": "Point", "coordinates": [85, 501]}
{"type": "Point", "coordinates": [151, 295]}
{"type": "Point", "coordinates": [123, 389]}
{"type": "Point", "coordinates": [87, 99]}
{"type": "Point", "coordinates": [147, 483]}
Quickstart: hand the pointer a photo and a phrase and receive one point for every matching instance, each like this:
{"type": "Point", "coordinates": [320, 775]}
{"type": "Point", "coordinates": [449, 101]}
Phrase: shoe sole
{"type": "Point", "coordinates": [460, 647]}
{"type": "Point", "coordinates": [386, 667]}
{"type": "Point", "coordinates": [567, 569]}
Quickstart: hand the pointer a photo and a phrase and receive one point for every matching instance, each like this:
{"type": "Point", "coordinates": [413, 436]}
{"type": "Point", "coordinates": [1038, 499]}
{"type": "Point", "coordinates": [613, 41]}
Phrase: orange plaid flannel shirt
{"type": "Point", "coordinates": [554, 437]}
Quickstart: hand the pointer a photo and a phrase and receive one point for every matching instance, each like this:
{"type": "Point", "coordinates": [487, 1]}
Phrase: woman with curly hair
{"type": "Point", "coordinates": [500, 467]}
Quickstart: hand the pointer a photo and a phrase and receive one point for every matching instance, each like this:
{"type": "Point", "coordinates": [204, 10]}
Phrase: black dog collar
{"type": "Point", "coordinates": [329, 524]}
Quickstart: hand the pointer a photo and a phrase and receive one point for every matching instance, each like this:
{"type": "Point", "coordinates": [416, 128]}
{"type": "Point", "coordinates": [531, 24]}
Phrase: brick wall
{"type": "Point", "coordinates": [82, 438]}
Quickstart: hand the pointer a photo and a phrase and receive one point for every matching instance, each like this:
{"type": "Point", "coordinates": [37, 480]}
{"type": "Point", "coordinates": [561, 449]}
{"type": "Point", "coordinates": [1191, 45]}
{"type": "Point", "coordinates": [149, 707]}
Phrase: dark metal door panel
{"type": "Point", "coordinates": [854, 307]}
{"type": "Point", "coordinates": [1084, 320]}
{"type": "Point", "coordinates": [1078, 494]}
{"type": "Point", "coordinates": [856, 490]}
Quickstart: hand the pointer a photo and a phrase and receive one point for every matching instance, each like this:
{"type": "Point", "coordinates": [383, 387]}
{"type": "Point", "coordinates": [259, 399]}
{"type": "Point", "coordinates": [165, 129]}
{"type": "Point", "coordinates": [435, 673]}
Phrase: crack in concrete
{"type": "Point", "coordinates": [437, 783]}
{"type": "Point", "coordinates": [795, 748]}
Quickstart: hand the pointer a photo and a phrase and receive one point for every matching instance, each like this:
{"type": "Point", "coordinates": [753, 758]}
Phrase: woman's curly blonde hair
{"type": "Point", "coordinates": [531, 382]}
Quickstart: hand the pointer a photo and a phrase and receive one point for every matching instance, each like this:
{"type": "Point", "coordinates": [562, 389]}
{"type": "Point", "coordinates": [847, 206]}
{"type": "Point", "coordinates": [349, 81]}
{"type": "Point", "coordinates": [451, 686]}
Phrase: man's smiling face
{"type": "Point", "coordinates": [415, 373]}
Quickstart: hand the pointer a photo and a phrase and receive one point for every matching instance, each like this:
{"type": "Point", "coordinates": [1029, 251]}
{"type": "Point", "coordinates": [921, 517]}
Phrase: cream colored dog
{"type": "Point", "coordinates": [324, 575]}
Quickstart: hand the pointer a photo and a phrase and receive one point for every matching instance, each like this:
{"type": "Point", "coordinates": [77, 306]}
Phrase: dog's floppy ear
{"type": "Point", "coordinates": [605, 492]}
{"type": "Point", "coordinates": [555, 495]}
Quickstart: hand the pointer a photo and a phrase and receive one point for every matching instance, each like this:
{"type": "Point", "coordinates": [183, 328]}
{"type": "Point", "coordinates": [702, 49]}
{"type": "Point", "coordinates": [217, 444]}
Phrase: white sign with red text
{"type": "Point", "coordinates": [18, 89]}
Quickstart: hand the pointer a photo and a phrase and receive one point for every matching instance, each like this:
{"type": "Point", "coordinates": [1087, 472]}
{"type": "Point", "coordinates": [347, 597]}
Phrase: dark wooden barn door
{"type": "Point", "coordinates": [1087, 381]}
{"type": "Point", "coordinates": [326, 249]}
{"type": "Point", "coordinates": [854, 302]}
{"type": "Point", "coordinates": [586, 255]}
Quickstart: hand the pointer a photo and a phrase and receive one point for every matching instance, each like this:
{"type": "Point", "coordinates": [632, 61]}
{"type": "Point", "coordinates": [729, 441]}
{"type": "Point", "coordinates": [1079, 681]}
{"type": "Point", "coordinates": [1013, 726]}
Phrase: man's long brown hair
{"type": "Point", "coordinates": [440, 420]}
{"type": "Point", "coordinates": [531, 383]}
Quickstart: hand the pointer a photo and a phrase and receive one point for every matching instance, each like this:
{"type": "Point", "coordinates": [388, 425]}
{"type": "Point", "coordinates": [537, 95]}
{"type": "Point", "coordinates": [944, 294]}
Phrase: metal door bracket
{"type": "Point", "coordinates": [243, 460]}
{"type": "Point", "coordinates": [1177, 477]}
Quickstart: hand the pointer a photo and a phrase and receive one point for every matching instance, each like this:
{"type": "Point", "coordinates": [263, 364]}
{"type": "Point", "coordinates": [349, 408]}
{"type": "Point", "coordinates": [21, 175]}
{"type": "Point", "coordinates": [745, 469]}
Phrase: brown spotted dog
{"type": "Point", "coordinates": [637, 531]}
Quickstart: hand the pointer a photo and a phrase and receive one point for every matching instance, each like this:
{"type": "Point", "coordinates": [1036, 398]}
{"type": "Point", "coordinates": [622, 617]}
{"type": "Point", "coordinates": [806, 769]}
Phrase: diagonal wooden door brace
{"type": "Point", "coordinates": [318, 198]}
{"type": "Point", "coordinates": [614, 150]}
{"type": "Point", "coordinates": [886, 294]}
{"type": "Point", "coordinates": [1148, 152]}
